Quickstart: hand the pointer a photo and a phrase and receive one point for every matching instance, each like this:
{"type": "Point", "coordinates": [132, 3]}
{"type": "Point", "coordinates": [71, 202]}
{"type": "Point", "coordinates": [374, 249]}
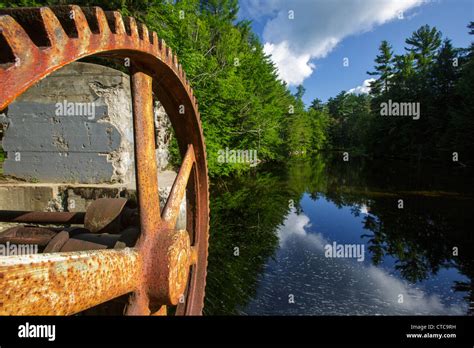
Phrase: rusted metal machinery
{"type": "Point", "coordinates": [112, 249]}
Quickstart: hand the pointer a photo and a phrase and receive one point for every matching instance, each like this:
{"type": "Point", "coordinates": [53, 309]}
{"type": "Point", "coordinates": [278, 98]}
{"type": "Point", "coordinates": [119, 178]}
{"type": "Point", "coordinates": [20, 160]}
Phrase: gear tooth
{"type": "Point", "coordinates": [175, 63]}
{"type": "Point", "coordinates": [115, 20]}
{"type": "Point", "coordinates": [147, 35]}
{"type": "Point", "coordinates": [156, 46]}
{"type": "Point", "coordinates": [101, 20]}
{"type": "Point", "coordinates": [119, 23]}
{"type": "Point", "coordinates": [166, 53]}
{"type": "Point", "coordinates": [170, 59]}
{"type": "Point", "coordinates": [54, 30]}
{"type": "Point", "coordinates": [188, 85]}
{"type": "Point", "coordinates": [19, 55]}
{"type": "Point", "coordinates": [73, 21]}
{"type": "Point", "coordinates": [163, 49]}
{"type": "Point", "coordinates": [16, 46]}
{"type": "Point", "coordinates": [80, 20]}
{"type": "Point", "coordinates": [131, 27]}
{"type": "Point", "coordinates": [32, 22]}
{"type": "Point", "coordinates": [144, 34]}
{"type": "Point", "coordinates": [63, 14]}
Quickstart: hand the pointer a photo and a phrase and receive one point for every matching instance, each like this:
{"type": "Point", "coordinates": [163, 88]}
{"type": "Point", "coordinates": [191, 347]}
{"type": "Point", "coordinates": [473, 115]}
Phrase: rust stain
{"type": "Point", "coordinates": [71, 285]}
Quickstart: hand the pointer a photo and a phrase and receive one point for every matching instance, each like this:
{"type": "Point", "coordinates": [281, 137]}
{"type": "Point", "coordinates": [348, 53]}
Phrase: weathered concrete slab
{"type": "Point", "coordinates": [80, 109]}
{"type": "Point", "coordinates": [74, 197]}
{"type": "Point", "coordinates": [76, 126]}
{"type": "Point", "coordinates": [17, 195]}
{"type": "Point", "coordinates": [28, 197]}
{"type": "Point", "coordinates": [34, 127]}
{"type": "Point", "coordinates": [65, 167]}
{"type": "Point", "coordinates": [73, 126]}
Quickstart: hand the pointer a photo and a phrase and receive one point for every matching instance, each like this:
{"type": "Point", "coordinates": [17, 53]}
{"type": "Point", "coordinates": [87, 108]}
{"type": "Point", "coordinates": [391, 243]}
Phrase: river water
{"type": "Point", "coordinates": [326, 237]}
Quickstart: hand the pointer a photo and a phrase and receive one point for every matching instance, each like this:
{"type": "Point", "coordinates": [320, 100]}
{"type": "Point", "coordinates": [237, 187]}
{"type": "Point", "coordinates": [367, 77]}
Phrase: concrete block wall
{"type": "Point", "coordinates": [75, 126]}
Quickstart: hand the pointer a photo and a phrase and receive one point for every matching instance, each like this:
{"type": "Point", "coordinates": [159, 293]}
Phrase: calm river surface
{"type": "Point", "coordinates": [271, 231]}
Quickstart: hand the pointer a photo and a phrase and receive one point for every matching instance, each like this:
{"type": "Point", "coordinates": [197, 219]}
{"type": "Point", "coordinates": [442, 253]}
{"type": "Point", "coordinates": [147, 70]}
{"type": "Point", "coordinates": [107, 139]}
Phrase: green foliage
{"type": "Point", "coordinates": [384, 68]}
{"type": "Point", "coordinates": [243, 104]}
{"type": "Point", "coordinates": [432, 73]}
{"type": "Point", "coordinates": [247, 210]}
{"type": "Point", "coordinates": [349, 119]}
{"type": "Point", "coordinates": [460, 133]}
{"type": "Point", "coordinates": [424, 44]}
{"type": "Point", "coordinates": [426, 74]}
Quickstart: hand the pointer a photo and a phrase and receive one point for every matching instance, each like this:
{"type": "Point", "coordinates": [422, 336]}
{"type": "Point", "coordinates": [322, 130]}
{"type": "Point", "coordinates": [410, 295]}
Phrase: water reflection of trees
{"type": "Point", "coordinates": [423, 236]}
{"type": "Point", "coordinates": [437, 214]}
{"type": "Point", "coordinates": [247, 211]}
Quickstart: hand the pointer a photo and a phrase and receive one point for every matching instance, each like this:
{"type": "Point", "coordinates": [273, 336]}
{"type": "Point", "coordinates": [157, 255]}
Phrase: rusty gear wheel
{"type": "Point", "coordinates": [166, 267]}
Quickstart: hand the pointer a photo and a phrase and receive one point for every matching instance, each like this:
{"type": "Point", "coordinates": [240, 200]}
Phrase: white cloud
{"type": "Point", "coordinates": [363, 89]}
{"type": "Point", "coordinates": [364, 209]}
{"type": "Point", "coordinates": [294, 224]}
{"type": "Point", "coordinates": [317, 28]}
{"type": "Point", "coordinates": [374, 284]}
{"type": "Point", "coordinates": [292, 69]}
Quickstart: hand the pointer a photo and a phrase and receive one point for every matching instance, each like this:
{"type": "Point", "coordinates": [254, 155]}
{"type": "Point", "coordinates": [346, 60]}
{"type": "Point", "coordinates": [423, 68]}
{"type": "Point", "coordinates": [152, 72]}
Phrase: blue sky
{"type": "Point", "coordinates": [308, 39]}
